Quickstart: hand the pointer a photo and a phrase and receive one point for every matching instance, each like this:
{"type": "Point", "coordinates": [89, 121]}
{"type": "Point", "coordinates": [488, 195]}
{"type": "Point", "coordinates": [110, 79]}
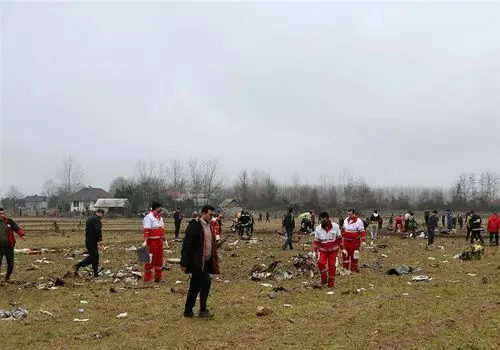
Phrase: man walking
{"type": "Point", "coordinates": [432, 224]}
{"type": "Point", "coordinates": [289, 225]}
{"type": "Point", "coordinates": [267, 217]}
{"type": "Point", "coordinates": [8, 241]}
{"type": "Point", "coordinates": [327, 242]}
{"type": "Point", "coordinates": [475, 226]}
{"type": "Point", "coordinates": [374, 224]}
{"type": "Point", "coordinates": [177, 222]}
{"type": "Point", "coordinates": [493, 228]}
{"type": "Point", "coordinates": [353, 237]}
{"type": "Point", "coordinates": [93, 242]}
{"type": "Point", "coordinates": [199, 258]}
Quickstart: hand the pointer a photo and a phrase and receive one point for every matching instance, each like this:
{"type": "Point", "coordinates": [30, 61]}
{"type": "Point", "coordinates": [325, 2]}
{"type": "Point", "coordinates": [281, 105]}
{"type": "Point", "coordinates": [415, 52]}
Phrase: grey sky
{"type": "Point", "coordinates": [266, 86]}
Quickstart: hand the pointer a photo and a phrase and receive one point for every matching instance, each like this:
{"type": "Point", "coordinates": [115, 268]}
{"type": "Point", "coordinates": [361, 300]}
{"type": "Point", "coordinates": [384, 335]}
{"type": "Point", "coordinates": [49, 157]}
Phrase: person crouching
{"type": "Point", "coordinates": [327, 242]}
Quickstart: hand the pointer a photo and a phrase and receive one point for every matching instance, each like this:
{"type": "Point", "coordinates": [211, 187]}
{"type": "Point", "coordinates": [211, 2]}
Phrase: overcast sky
{"type": "Point", "coordinates": [398, 94]}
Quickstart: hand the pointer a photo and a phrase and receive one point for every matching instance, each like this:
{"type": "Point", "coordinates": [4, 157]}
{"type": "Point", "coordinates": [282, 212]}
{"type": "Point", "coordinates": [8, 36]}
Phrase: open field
{"type": "Point", "coordinates": [453, 311]}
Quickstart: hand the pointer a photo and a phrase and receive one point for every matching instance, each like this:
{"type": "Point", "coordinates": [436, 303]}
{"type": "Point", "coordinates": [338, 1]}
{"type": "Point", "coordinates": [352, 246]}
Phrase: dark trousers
{"type": "Point", "coordinates": [469, 231]}
{"type": "Point", "coordinates": [92, 258]}
{"type": "Point", "coordinates": [476, 235]}
{"type": "Point", "coordinates": [288, 242]}
{"type": "Point", "coordinates": [9, 256]}
{"type": "Point", "coordinates": [430, 237]}
{"type": "Point", "coordinates": [200, 284]}
{"type": "Point", "coordinates": [177, 226]}
{"type": "Point", "coordinates": [494, 235]}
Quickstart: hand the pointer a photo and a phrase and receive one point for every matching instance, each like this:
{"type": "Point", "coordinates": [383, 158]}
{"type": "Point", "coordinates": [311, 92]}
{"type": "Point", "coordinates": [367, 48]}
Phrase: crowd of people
{"type": "Point", "coordinates": [202, 238]}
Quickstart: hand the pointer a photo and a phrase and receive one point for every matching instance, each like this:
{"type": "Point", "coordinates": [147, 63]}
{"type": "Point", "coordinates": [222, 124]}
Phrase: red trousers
{"type": "Point", "coordinates": [327, 268]}
{"type": "Point", "coordinates": [351, 247]}
{"type": "Point", "coordinates": [155, 247]}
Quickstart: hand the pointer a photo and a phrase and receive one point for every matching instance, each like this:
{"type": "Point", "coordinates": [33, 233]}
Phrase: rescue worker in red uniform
{"type": "Point", "coordinates": [399, 226]}
{"type": "Point", "coordinates": [154, 236]}
{"type": "Point", "coordinates": [353, 237]}
{"type": "Point", "coordinates": [327, 242]}
{"type": "Point", "coordinates": [216, 226]}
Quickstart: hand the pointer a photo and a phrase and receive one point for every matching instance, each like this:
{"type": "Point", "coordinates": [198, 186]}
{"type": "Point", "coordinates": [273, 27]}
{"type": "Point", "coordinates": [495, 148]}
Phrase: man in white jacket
{"type": "Point", "coordinates": [327, 242]}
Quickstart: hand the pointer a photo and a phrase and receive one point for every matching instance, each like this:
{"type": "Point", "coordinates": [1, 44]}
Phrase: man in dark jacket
{"type": "Point", "coordinates": [8, 241]}
{"type": "Point", "coordinates": [93, 242]}
{"type": "Point", "coordinates": [199, 258]}
{"type": "Point", "coordinates": [432, 224]}
{"type": "Point", "coordinates": [475, 222]}
{"type": "Point", "coordinates": [177, 222]}
{"type": "Point", "coordinates": [289, 225]}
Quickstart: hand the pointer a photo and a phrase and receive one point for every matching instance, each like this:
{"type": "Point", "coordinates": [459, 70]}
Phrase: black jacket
{"type": "Point", "coordinates": [475, 222]}
{"type": "Point", "coordinates": [432, 222]}
{"type": "Point", "coordinates": [193, 249]}
{"type": "Point", "coordinates": [289, 221]}
{"type": "Point", "coordinates": [177, 217]}
{"type": "Point", "coordinates": [93, 229]}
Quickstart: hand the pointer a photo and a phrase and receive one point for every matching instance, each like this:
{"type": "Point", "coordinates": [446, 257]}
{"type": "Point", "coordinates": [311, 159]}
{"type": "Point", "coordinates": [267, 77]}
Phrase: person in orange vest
{"type": "Point", "coordinates": [154, 236]}
{"type": "Point", "coordinates": [327, 242]}
{"type": "Point", "coordinates": [353, 237]}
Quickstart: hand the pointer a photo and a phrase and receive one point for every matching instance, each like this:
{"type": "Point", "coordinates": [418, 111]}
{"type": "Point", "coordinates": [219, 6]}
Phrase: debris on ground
{"type": "Point", "coordinates": [80, 319]}
{"type": "Point", "coordinates": [16, 314]}
{"type": "Point", "coordinates": [263, 311]}
{"type": "Point", "coordinates": [43, 312]}
{"type": "Point", "coordinates": [374, 265]}
{"type": "Point", "coordinates": [422, 278]}
{"type": "Point", "coordinates": [474, 252]}
{"type": "Point", "coordinates": [272, 295]}
{"type": "Point", "coordinates": [402, 270]}
{"type": "Point", "coordinates": [305, 264]}
{"type": "Point", "coordinates": [259, 272]}
{"type": "Point", "coordinates": [122, 315]}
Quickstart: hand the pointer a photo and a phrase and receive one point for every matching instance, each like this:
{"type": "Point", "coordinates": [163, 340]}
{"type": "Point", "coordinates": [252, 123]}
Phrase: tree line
{"type": "Point", "coordinates": [199, 181]}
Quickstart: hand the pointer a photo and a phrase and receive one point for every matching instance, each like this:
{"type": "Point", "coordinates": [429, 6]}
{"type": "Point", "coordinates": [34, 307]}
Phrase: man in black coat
{"type": "Point", "coordinates": [475, 222]}
{"type": "Point", "coordinates": [93, 241]}
{"type": "Point", "coordinates": [289, 225]}
{"type": "Point", "coordinates": [177, 222]}
{"type": "Point", "coordinates": [199, 258]}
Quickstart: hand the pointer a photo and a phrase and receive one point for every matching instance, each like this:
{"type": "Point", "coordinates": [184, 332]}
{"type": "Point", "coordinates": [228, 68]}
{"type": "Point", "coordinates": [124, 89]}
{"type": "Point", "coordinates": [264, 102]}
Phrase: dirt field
{"type": "Point", "coordinates": [458, 309]}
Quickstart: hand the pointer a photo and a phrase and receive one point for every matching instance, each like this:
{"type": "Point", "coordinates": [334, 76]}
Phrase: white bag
{"type": "Point", "coordinates": [356, 254]}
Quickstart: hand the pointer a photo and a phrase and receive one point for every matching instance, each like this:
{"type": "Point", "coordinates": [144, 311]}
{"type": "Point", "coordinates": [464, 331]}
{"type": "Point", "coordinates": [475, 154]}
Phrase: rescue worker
{"type": "Point", "coordinates": [411, 226]}
{"type": "Point", "coordinates": [375, 220]}
{"type": "Point", "coordinates": [216, 226]}
{"type": "Point", "coordinates": [327, 242]}
{"type": "Point", "coordinates": [493, 227]}
{"type": "Point", "coordinates": [475, 226]}
{"type": "Point", "coordinates": [154, 236]}
{"type": "Point", "coordinates": [8, 241]}
{"type": "Point", "coordinates": [353, 237]}
{"type": "Point", "coordinates": [244, 221]}
{"type": "Point", "coordinates": [398, 227]}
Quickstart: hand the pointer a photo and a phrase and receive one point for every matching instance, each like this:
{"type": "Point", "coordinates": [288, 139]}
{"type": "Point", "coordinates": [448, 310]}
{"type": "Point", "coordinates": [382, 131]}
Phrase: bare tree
{"type": "Point", "coordinates": [49, 188]}
{"type": "Point", "coordinates": [195, 179]}
{"type": "Point", "coordinates": [176, 175]}
{"type": "Point", "coordinates": [210, 177]}
{"type": "Point", "coordinates": [117, 183]}
{"type": "Point", "coordinates": [14, 196]}
{"type": "Point", "coordinates": [70, 175]}
{"type": "Point", "coordinates": [242, 187]}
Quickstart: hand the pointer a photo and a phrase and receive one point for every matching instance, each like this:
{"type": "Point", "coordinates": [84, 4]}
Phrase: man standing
{"type": "Point", "coordinates": [374, 224]}
{"type": "Point", "coordinates": [467, 226]}
{"type": "Point", "coordinates": [493, 227]}
{"type": "Point", "coordinates": [327, 242]}
{"type": "Point", "coordinates": [177, 222]}
{"type": "Point", "coordinates": [8, 241]}
{"type": "Point", "coordinates": [399, 226]}
{"type": "Point", "coordinates": [427, 213]}
{"type": "Point", "coordinates": [353, 237]}
{"type": "Point", "coordinates": [93, 242]}
{"type": "Point", "coordinates": [475, 226]}
{"type": "Point", "coordinates": [313, 219]}
{"type": "Point", "coordinates": [267, 217]}
{"type": "Point", "coordinates": [289, 225]}
{"type": "Point", "coordinates": [154, 236]}
{"type": "Point", "coordinates": [449, 220]}
{"type": "Point", "coordinates": [460, 221]}
{"type": "Point", "coordinates": [432, 224]}
{"type": "Point", "coordinates": [199, 258]}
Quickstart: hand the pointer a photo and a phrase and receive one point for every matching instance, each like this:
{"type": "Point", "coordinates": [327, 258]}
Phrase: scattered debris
{"type": "Point", "coordinates": [431, 258]}
{"type": "Point", "coordinates": [330, 293]}
{"type": "Point", "coordinates": [472, 274]}
{"type": "Point", "coordinates": [374, 265]}
{"type": "Point", "coordinates": [263, 311]}
{"type": "Point", "coordinates": [474, 252]}
{"type": "Point", "coordinates": [43, 312]}
{"type": "Point", "coordinates": [291, 320]}
{"type": "Point", "coordinates": [122, 315]}
{"type": "Point", "coordinates": [402, 270]}
{"type": "Point", "coordinates": [272, 295]}
{"type": "Point", "coordinates": [422, 278]}
{"type": "Point", "coordinates": [16, 314]}
{"type": "Point", "coordinates": [80, 319]}
{"type": "Point", "coordinates": [287, 305]}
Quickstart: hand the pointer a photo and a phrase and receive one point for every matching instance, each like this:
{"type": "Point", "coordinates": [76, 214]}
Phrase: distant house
{"type": "Point", "coordinates": [230, 207]}
{"type": "Point", "coordinates": [85, 199]}
{"type": "Point", "coordinates": [36, 202]}
{"type": "Point", "coordinates": [113, 205]}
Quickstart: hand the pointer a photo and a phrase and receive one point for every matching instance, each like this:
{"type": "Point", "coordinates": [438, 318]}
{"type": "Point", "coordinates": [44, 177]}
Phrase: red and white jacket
{"type": "Point", "coordinates": [327, 240]}
{"type": "Point", "coordinates": [354, 230]}
{"type": "Point", "coordinates": [215, 225]}
{"type": "Point", "coordinates": [154, 227]}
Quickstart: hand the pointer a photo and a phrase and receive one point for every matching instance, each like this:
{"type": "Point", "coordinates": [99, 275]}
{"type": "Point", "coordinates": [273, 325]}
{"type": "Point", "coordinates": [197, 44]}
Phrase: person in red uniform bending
{"type": "Point", "coordinates": [154, 236]}
{"type": "Point", "coordinates": [353, 237]}
{"type": "Point", "coordinates": [216, 226]}
{"type": "Point", "coordinates": [327, 242]}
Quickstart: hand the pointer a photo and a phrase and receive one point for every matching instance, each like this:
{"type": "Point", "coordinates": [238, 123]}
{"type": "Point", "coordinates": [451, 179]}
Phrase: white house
{"type": "Point", "coordinates": [36, 202]}
{"type": "Point", "coordinates": [85, 199]}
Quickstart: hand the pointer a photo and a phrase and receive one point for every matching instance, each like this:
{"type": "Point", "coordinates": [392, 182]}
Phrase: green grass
{"type": "Point", "coordinates": [437, 314]}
